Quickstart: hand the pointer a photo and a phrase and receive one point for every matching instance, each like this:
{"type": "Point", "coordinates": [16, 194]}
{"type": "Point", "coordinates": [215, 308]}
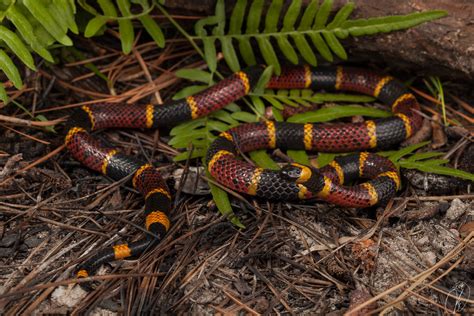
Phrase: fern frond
{"type": "Point", "coordinates": [295, 37]}
{"type": "Point", "coordinates": [126, 30]}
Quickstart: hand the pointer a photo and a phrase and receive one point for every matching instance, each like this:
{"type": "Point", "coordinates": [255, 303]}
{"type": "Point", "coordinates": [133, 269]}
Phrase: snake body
{"type": "Point", "coordinates": [292, 182]}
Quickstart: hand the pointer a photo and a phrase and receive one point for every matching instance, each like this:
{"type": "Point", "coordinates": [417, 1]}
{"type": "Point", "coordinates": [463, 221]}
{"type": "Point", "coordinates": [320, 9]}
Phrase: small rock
{"type": "Point", "coordinates": [32, 241]}
{"type": "Point", "coordinates": [457, 209]}
{"type": "Point", "coordinates": [67, 296]}
{"type": "Point", "coordinates": [8, 240]}
{"type": "Point", "coordinates": [430, 257]}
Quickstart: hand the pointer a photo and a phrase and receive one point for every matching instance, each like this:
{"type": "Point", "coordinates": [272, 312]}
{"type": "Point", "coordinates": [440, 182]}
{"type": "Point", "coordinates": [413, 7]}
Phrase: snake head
{"type": "Point", "coordinates": [296, 172]}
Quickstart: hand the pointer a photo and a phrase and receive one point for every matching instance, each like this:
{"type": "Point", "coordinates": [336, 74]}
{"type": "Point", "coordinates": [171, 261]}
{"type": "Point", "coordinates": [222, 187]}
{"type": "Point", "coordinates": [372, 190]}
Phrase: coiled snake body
{"type": "Point", "coordinates": [292, 182]}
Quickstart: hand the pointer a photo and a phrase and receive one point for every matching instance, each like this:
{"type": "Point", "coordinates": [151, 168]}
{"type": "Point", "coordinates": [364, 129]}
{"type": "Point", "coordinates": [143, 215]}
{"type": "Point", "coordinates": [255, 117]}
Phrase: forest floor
{"type": "Point", "coordinates": [414, 255]}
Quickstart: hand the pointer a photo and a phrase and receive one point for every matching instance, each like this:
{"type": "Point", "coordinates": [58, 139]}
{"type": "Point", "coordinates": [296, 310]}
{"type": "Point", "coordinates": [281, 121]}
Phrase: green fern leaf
{"type": "Point", "coordinates": [9, 68]}
{"type": "Point", "coordinates": [17, 47]}
{"type": "Point", "coordinates": [46, 19]}
{"type": "Point", "coordinates": [323, 14]}
{"type": "Point", "coordinates": [246, 50]}
{"type": "Point", "coordinates": [299, 156]}
{"type": "Point", "coordinates": [309, 15]}
{"type": "Point", "coordinates": [269, 54]}
{"type": "Point", "coordinates": [335, 45]}
{"type": "Point", "coordinates": [425, 166]}
{"type": "Point", "coordinates": [187, 91]}
{"type": "Point", "coordinates": [194, 75]}
{"type": "Point", "coordinates": [423, 156]}
{"type": "Point", "coordinates": [291, 15]}
{"type": "Point", "coordinates": [153, 29]}
{"type": "Point", "coordinates": [127, 34]}
{"type": "Point", "coordinates": [335, 112]}
{"type": "Point", "coordinates": [210, 54]}
{"type": "Point", "coordinates": [229, 53]}
{"type": "Point", "coordinates": [391, 23]}
{"type": "Point", "coordinates": [321, 46]}
{"type": "Point", "coordinates": [263, 159]}
{"type": "Point", "coordinates": [94, 25]}
{"type": "Point", "coordinates": [341, 15]}
{"type": "Point", "coordinates": [26, 31]}
{"type": "Point", "coordinates": [222, 201]}
{"type": "Point", "coordinates": [263, 80]}
{"type": "Point", "coordinates": [237, 17]}
{"type": "Point", "coordinates": [108, 7]}
{"type": "Point", "coordinates": [287, 49]}
{"type": "Point", "coordinates": [273, 15]}
{"type": "Point", "coordinates": [394, 157]}
{"type": "Point", "coordinates": [259, 106]}
{"type": "Point", "coordinates": [325, 158]}
{"type": "Point", "coordinates": [253, 20]}
{"type": "Point", "coordinates": [305, 50]}
{"type": "Point", "coordinates": [58, 14]}
{"type": "Point", "coordinates": [3, 94]}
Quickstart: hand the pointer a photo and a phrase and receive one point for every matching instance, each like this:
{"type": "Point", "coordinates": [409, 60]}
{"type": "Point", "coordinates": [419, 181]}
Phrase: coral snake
{"type": "Point", "coordinates": [293, 181]}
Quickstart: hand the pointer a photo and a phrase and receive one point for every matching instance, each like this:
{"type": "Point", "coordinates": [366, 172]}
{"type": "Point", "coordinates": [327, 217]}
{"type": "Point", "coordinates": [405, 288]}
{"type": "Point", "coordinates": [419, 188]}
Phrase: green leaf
{"type": "Point", "coordinates": [335, 45]}
{"type": "Point", "coordinates": [187, 126]}
{"type": "Point", "coordinates": [94, 25]}
{"type": "Point", "coordinates": [9, 68]}
{"type": "Point", "coordinates": [291, 15]}
{"type": "Point", "coordinates": [3, 94]}
{"type": "Point", "coordinates": [58, 14]}
{"type": "Point", "coordinates": [67, 10]}
{"type": "Point", "coordinates": [196, 153]}
{"type": "Point", "coordinates": [335, 112]}
{"type": "Point", "coordinates": [263, 80]}
{"type": "Point", "coordinates": [153, 29]}
{"type": "Point", "coordinates": [229, 53]}
{"type": "Point", "coordinates": [390, 23]}
{"type": "Point", "coordinates": [44, 17]}
{"type": "Point", "coordinates": [108, 8]}
{"type": "Point", "coordinates": [17, 47]}
{"type": "Point", "coordinates": [246, 51]}
{"type": "Point", "coordinates": [253, 19]}
{"type": "Point", "coordinates": [210, 53]}
{"type": "Point", "coordinates": [423, 166]}
{"type": "Point", "coordinates": [222, 201]}
{"type": "Point", "coordinates": [274, 102]}
{"type": "Point", "coordinates": [341, 15]}
{"type": "Point", "coordinates": [268, 53]}
{"type": "Point", "coordinates": [309, 15]}
{"type": "Point", "coordinates": [325, 158]}
{"type": "Point", "coordinates": [287, 48]}
{"type": "Point", "coordinates": [263, 159]}
{"type": "Point", "coordinates": [323, 14]}
{"type": "Point", "coordinates": [259, 106]}
{"type": "Point", "coordinates": [217, 126]}
{"type": "Point", "coordinates": [237, 17]}
{"type": "Point", "coordinates": [321, 46]}
{"type": "Point", "coordinates": [407, 150]}
{"type": "Point", "coordinates": [25, 29]}
{"type": "Point", "coordinates": [304, 48]}
{"type": "Point", "coordinates": [299, 156]}
{"type": "Point", "coordinates": [273, 14]}
{"type": "Point", "coordinates": [423, 156]}
{"type": "Point", "coordinates": [127, 34]}
{"type": "Point", "coordinates": [194, 75]}
{"type": "Point", "coordinates": [245, 117]}
{"type": "Point", "coordinates": [277, 114]}
{"type": "Point", "coordinates": [220, 15]}
{"type": "Point", "coordinates": [187, 91]}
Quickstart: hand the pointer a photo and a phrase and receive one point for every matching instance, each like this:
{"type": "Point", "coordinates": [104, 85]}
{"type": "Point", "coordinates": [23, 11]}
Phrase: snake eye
{"type": "Point", "coordinates": [291, 172]}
